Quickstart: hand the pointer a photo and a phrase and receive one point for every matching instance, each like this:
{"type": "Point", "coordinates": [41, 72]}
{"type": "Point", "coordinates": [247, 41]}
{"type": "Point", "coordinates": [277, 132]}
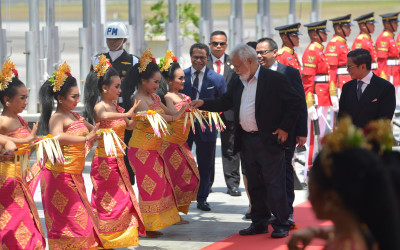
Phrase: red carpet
{"type": "Point", "coordinates": [304, 217]}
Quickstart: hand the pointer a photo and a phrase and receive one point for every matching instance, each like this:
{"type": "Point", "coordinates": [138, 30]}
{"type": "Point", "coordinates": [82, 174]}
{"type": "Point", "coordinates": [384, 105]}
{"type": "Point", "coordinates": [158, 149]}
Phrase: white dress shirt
{"type": "Point", "coordinates": [366, 80]}
{"type": "Point", "coordinates": [274, 66]}
{"type": "Point", "coordinates": [247, 114]}
{"type": "Point", "coordinates": [222, 59]}
{"type": "Point", "coordinates": [201, 76]}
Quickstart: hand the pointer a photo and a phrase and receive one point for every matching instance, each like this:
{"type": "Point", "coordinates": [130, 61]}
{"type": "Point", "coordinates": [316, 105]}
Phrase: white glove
{"type": "Point", "coordinates": [312, 113]}
{"type": "Point", "coordinates": [335, 103]}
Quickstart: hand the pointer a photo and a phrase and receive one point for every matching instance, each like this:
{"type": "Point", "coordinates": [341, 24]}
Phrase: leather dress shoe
{"type": "Point", "coordinates": [253, 229]}
{"type": "Point", "coordinates": [280, 233]}
{"type": "Point", "coordinates": [203, 205]}
{"type": "Point", "coordinates": [234, 191]}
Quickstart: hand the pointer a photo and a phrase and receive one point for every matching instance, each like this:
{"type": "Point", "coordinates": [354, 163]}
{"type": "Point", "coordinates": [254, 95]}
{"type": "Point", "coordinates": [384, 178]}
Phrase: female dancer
{"type": "Point", "coordinates": [349, 186]}
{"type": "Point", "coordinates": [157, 201]}
{"type": "Point", "coordinates": [178, 157]}
{"type": "Point", "coordinates": [113, 200]}
{"type": "Point", "coordinates": [20, 226]}
{"type": "Point", "coordinates": [69, 219]}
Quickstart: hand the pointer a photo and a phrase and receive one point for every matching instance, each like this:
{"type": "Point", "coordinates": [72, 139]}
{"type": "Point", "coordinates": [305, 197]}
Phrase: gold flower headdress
{"type": "Point", "coordinates": [102, 66]}
{"type": "Point", "coordinates": [145, 59]}
{"type": "Point", "coordinates": [167, 60]}
{"type": "Point", "coordinates": [7, 73]}
{"type": "Point", "coordinates": [345, 136]}
{"type": "Point", "coordinates": [58, 78]}
{"type": "Point", "coordinates": [379, 135]}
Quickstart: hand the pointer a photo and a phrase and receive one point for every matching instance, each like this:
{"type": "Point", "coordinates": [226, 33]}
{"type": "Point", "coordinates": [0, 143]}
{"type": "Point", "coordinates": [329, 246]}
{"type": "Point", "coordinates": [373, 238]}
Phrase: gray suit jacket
{"type": "Point", "coordinates": [228, 73]}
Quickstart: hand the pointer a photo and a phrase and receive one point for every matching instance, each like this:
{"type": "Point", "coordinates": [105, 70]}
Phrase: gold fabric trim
{"type": "Point", "coordinates": [126, 238]}
{"type": "Point", "coordinates": [23, 235]}
{"type": "Point", "coordinates": [148, 184]}
{"type": "Point", "coordinates": [81, 217]}
{"type": "Point", "coordinates": [4, 218]}
{"type": "Point", "coordinates": [108, 202]}
{"type": "Point", "coordinates": [59, 201]}
{"type": "Point", "coordinates": [154, 222]}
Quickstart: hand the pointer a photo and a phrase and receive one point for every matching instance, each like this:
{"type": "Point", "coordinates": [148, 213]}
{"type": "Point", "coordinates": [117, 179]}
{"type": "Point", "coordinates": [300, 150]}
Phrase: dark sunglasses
{"type": "Point", "coordinates": [217, 43]}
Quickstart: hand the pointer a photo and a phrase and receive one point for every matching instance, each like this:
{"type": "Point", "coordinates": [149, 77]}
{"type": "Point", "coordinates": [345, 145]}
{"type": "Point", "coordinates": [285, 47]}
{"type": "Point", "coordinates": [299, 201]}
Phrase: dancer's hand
{"type": "Point", "coordinates": [197, 103]}
{"type": "Point", "coordinates": [92, 135]}
{"type": "Point", "coordinates": [300, 239]}
{"type": "Point", "coordinates": [32, 136]}
{"type": "Point", "coordinates": [131, 112]}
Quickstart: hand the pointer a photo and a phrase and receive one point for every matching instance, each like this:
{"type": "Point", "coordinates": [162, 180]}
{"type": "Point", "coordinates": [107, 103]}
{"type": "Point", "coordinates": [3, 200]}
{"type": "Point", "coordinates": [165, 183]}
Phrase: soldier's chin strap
{"type": "Point", "coordinates": [290, 40]}
{"type": "Point", "coordinates": [319, 36]}
{"type": "Point", "coordinates": [367, 27]}
{"type": "Point", "coordinates": [391, 25]}
{"type": "Point", "coordinates": [341, 27]}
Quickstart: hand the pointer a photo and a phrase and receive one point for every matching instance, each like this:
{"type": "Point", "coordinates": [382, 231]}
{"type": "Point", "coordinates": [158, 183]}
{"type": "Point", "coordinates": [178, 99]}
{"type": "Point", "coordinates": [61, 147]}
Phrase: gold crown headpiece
{"type": "Point", "coordinates": [7, 73]}
{"type": "Point", "coordinates": [167, 60]}
{"type": "Point", "coordinates": [102, 66]}
{"type": "Point", "coordinates": [345, 136]}
{"type": "Point", "coordinates": [145, 59]}
{"type": "Point", "coordinates": [58, 78]}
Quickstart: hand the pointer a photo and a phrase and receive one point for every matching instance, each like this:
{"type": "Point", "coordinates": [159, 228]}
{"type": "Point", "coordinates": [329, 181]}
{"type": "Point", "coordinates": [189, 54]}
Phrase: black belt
{"type": "Point", "coordinates": [252, 132]}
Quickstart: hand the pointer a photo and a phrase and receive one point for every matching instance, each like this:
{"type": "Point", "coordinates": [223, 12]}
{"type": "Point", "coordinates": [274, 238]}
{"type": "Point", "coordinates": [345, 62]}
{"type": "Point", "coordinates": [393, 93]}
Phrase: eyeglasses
{"type": "Point", "coordinates": [202, 58]}
{"type": "Point", "coordinates": [263, 52]}
{"type": "Point", "coordinates": [350, 67]}
{"type": "Point", "coordinates": [218, 43]}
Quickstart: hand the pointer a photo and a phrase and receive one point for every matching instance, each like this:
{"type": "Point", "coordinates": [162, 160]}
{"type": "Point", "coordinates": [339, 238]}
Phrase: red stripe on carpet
{"type": "Point", "coordinates": [304, 217]}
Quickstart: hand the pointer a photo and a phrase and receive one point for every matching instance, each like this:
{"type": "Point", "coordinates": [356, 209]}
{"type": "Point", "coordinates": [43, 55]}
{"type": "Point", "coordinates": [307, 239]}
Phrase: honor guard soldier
{"type": "Point", "coordinates": [388, 51]}
{"type": "Point", "coordinates": [116, 35]}
{"type": "Point", "coordinates": [336, 51]}
{"type": "Point", "coordinates": [317, 87]}
{"type": "Point", "coordinates": [290, 39]}
{"type": "Point", "coordinates": [366, 23]}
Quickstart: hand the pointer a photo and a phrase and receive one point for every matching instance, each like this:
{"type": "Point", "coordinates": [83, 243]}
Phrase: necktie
{"type": "Point", "coordinates": [359, 90]}
{"type": "Point", "coordinates": [195, 87]}
{"type": "Point", "coordinates": [218, 62]}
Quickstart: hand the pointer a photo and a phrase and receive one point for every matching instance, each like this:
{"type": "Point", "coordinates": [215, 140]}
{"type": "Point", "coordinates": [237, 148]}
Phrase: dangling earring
{"type": "Point", "coordinates": [105, 91]}
{"type": "Point", "coordinates": [60, 102]}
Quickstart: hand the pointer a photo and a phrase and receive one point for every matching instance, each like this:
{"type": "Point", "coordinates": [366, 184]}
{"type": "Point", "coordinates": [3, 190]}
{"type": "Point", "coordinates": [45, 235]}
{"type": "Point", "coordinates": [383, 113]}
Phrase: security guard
{"type": "Point", "coordinates": [366, 23]}
{"type": "Point", "coordinates": [317, 87]}
{"type": "Point", "coordinates": [336, 51]}
{"type": "Point", "coordinates": [388, 51]}
{"type": "Point", "coordinates": [116, 35]}
{"type": "Point", "coordinates": [290, 39]}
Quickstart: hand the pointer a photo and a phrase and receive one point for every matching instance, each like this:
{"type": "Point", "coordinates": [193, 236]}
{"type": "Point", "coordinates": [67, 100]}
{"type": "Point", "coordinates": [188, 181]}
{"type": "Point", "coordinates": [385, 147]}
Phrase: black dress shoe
{"type": "Point", "coordinates": [203, 206]}
{"type": "Point", "coordinates": [280, 233]}
{"type": "Point", "coordinates": [234, 191]}
{"type": "Point", "coordinates": [253, 229]}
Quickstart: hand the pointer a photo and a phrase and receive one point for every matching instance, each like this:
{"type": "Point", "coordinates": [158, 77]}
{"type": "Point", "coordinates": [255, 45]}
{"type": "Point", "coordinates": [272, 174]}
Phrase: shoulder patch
{"type": "Point", "coordinates": [280, 51]}
{"type": "Point", "coordinates": [126, 63]}
{"type": "Point", "coordinates": [312, 47]}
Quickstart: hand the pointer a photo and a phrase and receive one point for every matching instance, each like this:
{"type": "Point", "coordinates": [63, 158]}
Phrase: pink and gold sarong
{"type": "Point", "coordinates": [113, 200]}
{"type": "Point", "coordinates": [180, 162]}
{"type": "Point", "coordinates": [20, 226]}
{"type": "Point", "coordinates": [69, 219]}
{"type": "Point", "coordinates": [156, 196]}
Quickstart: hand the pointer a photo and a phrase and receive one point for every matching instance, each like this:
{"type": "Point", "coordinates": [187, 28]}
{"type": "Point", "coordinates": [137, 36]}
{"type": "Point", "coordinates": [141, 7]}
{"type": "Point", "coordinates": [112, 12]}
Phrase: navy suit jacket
{"type": "Point", "coordinates": [212, 87]}
{"type": "Point", "coordinates": [294, 78]}
{"type": "Point", "coordinates": [377, 101]}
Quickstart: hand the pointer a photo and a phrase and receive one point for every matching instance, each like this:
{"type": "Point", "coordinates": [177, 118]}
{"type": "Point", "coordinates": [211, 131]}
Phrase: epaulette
{"type": "Point", "coordinates": [387, 33]}
{"type": "Point", "coordinates": [363, 35]}
{"type": "Point", "coordinates": [341, 39]}
{"type": "Point", "coordinates": [334, 39]}
{"type": "Point", "coordinates": [320, 46]}
{"type": "Point", "coordinates": [312, 46]}
{"type": "Point", "coordinates": [280, 51]}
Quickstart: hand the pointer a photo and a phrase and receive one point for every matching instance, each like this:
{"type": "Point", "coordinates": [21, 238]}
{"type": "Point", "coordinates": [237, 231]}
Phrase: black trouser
{"type": "Point", "coordinates": [289, 153]}
{"type": "Point", "coordinates": [230, 161]}
{"type": "Point", "coordinates": [205, 155]}
{"type": "Point", "coordinates": [127, 137]}
{"type": "Point", "coordinates": [265, 172]}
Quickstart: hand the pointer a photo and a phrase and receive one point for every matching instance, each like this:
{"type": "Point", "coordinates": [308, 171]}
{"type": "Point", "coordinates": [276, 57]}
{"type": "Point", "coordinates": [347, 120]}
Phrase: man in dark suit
{"type": "Point", "coordinates": [267, 50]}
{"type": "Point", "coordinates": [201, 82]}
{"type": "Point", "coordinates": [266, 108]}
{"type": "Point", "coordinates": [367, 97]}
{"type": "Point", "coordinates": [220, 62]}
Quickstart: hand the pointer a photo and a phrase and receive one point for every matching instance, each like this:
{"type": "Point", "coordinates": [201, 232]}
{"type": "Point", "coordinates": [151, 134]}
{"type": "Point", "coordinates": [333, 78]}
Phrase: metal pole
{"type": "Point", "coordinates": [173, 41]}
{"type": "Point", "coordinates": [267, 19]}
{"type": "Point", "coordinates": [51, 39]}
{"type": "Point", "coordinates": [259, 19]}
{"type": "Point", "coordinates": [239, 21]}
{"type": "Point", "coordinates": [32, 58]}
{"type": "Point", "coordinates": [87, 22]}
{"type": "Point", "coordinates": [314, 16]}
{"type": "Point", "coordinates": [3, 40]}
{"type": "Point", "coordinates": [85, 44]}
{"type": "Point", "coordinates": [98, 27]}
{"type": "Point", "coordinates": [206, 22]}
{"type": "Point", "coordinates": [292, 12]}
{"type": "Point", "coordinates": [136, 31]}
